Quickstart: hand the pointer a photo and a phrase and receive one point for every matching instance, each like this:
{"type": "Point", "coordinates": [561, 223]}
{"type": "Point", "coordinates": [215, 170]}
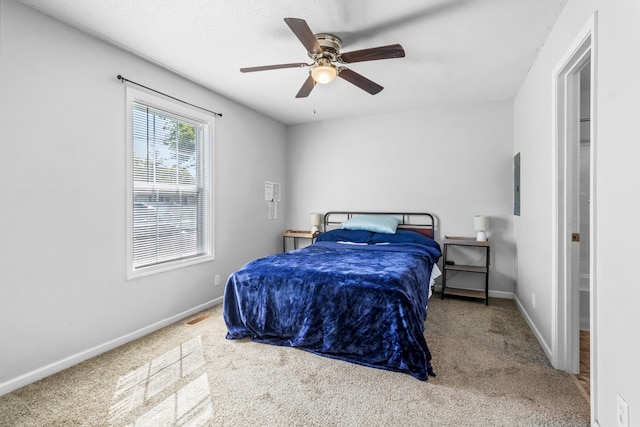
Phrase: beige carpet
{"type": "Point", "coordinates": [491, 371]}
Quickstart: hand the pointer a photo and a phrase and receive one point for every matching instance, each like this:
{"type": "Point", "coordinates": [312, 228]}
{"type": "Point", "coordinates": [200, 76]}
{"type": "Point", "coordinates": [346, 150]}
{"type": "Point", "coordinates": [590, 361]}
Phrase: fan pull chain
{"type": "Point", "coordinates": [314, 104]}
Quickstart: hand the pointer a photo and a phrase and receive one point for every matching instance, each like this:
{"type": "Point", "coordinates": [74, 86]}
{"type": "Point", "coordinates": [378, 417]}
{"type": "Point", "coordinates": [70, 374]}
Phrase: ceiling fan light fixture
{"type": "Point", "coordinates": [324, 49]}
{"type": "Point", "coordinates": [324, 73]}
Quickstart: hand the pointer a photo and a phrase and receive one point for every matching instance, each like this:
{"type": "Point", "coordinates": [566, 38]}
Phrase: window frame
{"type": "Point", "coordinates": [134, 95]}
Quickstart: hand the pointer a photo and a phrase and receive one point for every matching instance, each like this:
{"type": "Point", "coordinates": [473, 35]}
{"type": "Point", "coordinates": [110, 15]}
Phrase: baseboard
{"type": "Point", "coordinates": [45, 371]}
{"type": "Point", "coordinates": [500, 294]}
{"type": "Point", "coordinates": [492, 294]}
{"type": "Point", "coordinates": [545, 346]}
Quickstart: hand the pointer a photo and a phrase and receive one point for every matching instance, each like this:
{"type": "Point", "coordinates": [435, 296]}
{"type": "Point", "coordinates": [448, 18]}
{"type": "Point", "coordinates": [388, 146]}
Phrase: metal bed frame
{"type": "Point", "coordinates": [421, 222]}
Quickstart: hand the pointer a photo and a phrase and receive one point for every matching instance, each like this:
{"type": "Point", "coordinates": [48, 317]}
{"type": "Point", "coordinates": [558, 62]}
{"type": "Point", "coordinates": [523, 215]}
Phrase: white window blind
{"type": "Point", "coordinates": [170, 189]}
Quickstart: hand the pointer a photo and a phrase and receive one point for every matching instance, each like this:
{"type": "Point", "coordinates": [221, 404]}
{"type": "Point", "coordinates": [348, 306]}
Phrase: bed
{"type": "Point", "coordinates": [358, 294]}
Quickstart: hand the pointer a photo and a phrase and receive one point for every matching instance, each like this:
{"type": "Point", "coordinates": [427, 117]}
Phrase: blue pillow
{"type": "Point", "coordinates": [340, 235]}
{"type": "Point", "coordinates": [374, 223]}
{"type": "Point", "coordinates": [403, 236]}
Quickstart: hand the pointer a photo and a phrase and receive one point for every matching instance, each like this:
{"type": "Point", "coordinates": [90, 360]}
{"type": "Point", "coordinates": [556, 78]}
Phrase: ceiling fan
{"type": "Point", "coordinates": [324, 50]}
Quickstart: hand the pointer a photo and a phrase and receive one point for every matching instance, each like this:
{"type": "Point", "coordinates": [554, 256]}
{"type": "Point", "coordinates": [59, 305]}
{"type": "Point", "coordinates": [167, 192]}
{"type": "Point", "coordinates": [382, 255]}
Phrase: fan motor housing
{"type": "Point", "coordinates": [331, 45]}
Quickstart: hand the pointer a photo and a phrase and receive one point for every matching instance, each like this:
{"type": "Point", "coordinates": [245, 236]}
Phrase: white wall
{"type": "Point", "coordinates": [617, 89]}
{"type": "Point", "coordinates": [63, 289]}
{"type": "Point", "coordinates": [455, 162]}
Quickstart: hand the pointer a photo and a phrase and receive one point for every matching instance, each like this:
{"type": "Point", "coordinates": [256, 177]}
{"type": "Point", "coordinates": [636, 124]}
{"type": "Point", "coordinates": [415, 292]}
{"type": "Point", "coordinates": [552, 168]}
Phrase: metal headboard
{"type": "Point", "coordinates": [422, 221]}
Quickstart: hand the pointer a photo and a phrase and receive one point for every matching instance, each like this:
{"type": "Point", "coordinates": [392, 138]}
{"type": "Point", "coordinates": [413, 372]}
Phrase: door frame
{"type": "Point", "coordinates": [566, 135]}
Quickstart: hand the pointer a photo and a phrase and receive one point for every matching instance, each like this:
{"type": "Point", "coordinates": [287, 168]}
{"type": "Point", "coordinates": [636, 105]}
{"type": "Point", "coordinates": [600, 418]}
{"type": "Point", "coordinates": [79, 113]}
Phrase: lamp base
{"type": "Point", "coordinates": [314, 229]}
{"type": "Point", "coordinates": [482, 236]}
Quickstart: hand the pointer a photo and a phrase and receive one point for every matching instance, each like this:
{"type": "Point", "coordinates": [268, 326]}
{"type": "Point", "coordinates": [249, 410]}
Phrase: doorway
{"type": "Point", "coordinates": [574, 202]}
{"type": "Point", "coordinates": [583, 218]}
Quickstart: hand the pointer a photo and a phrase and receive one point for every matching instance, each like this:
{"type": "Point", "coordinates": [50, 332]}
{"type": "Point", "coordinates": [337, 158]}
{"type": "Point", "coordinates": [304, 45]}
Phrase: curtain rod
{"type": "Point", "coordinates": [169, 96]}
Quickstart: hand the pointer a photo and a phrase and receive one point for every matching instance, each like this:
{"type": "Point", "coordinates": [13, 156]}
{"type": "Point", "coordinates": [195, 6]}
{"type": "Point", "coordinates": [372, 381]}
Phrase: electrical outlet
{"type": "Point", "coordinates": [533, 300]}
{"type": "Point", "coordinates": [217, 280]}
{"type": "Point", "coordinates": [622, 412]}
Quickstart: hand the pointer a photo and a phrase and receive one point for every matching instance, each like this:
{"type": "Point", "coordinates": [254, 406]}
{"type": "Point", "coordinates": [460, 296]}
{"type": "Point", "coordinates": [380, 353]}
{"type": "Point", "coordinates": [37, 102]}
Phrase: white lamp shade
{"type": "Point", "coordinates": [481, 223]}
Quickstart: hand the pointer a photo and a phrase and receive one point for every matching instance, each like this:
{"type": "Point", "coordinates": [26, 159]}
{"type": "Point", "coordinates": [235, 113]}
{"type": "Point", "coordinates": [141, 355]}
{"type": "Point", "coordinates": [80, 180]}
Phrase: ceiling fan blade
{"type": "Point", "coordinates": [273, 67]}
{"type": "Point", "coordinates": [306, 88]}
{"type": "Point", "coordinates": [382, 52]}
{"type": "Point", "coordinates": [360, 81]}
{"type": "Point", "coordinates": [304, 34]}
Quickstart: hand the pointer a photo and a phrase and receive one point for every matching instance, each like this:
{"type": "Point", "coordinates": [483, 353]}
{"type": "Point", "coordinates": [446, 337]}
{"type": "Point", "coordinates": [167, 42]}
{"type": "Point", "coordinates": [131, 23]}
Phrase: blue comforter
{"type": "Point", "coordinates": [364, 304]}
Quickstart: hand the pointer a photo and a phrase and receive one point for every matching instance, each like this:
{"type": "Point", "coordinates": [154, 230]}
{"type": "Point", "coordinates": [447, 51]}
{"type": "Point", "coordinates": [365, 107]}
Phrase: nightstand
{"type": "Point", "coordinates": [295, 235]}
{"type": "Point", "coordinates": [450, 265]}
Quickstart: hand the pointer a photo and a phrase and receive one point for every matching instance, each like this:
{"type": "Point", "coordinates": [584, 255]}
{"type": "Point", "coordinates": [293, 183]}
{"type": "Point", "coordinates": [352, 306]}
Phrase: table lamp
{"type": "Point", "coordinates": [481, 224]}
{"type": "Point", "coordinates": [316, 221]}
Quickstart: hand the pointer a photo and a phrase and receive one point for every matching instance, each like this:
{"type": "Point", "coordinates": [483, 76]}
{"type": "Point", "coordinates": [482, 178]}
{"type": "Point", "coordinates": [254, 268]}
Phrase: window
{"type": "Point", "coordinates": [169, 184]}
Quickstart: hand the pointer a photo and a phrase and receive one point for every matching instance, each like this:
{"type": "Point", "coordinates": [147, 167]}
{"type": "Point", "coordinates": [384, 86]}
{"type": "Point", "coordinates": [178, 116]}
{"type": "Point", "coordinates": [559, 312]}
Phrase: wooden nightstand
{"type": "Point", "coordinates": [295, 235]}
{"type": "Point", "coordinates": [449, 266]}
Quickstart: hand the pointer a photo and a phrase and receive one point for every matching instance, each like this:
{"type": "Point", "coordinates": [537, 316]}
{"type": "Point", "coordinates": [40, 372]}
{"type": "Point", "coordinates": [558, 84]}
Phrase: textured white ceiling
{"type": "Point", "coordinates": [457, 51]}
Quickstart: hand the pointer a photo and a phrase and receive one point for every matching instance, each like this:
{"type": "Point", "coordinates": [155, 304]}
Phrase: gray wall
{"type": "Point", "coordinates": [63, 289]}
